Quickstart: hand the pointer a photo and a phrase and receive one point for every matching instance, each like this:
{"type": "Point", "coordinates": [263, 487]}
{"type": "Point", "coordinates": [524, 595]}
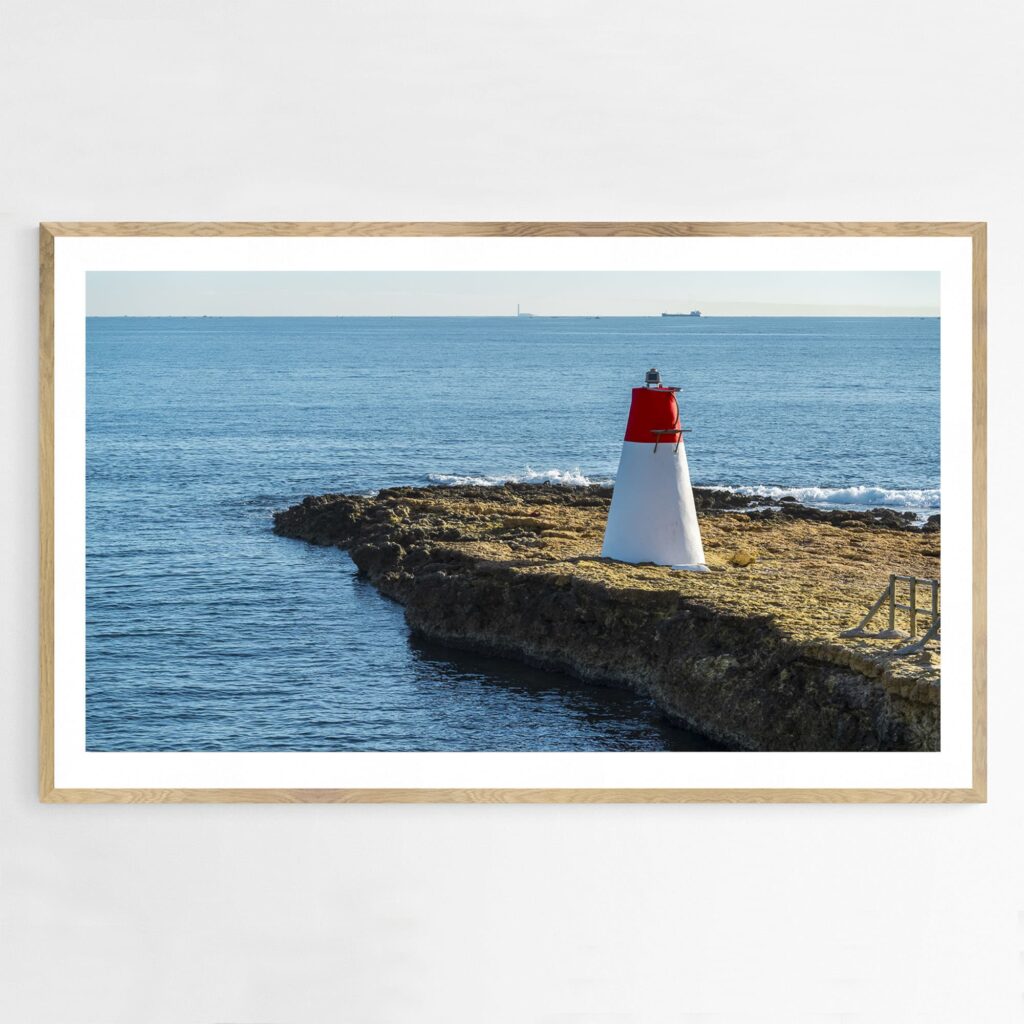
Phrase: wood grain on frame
{"type": "Point", "coordinates": [707, 229]}
{"type": "Point", "coordinates": [511, 229]}
{"type": "Point", "coordinates": [46, 522]}
{"type": "Point", "coordinates": [979, 513]}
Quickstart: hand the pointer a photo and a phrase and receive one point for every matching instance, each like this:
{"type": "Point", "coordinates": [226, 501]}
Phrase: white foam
{"type": "Point", "coordinates": [859, 496]}
{"type": "Point", "coordinates": [564, 477]}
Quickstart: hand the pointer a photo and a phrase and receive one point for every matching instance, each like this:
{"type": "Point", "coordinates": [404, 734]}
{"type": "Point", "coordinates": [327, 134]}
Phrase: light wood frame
{"type": "Point", "coordinates": [49, 231]}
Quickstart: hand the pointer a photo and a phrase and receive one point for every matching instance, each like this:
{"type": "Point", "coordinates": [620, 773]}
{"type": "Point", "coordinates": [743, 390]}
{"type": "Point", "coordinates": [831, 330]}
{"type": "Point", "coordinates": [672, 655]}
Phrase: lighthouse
{"type": "Point", "coordinates": [652, 517]}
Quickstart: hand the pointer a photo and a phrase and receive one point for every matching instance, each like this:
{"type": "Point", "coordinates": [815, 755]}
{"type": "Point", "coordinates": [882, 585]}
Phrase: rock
{"type": "Point", "coordinates": [753, 660]}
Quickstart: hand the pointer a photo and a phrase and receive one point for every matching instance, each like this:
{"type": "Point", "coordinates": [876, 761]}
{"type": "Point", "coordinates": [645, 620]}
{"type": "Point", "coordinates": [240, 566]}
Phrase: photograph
{"type": "Point", "coordinates": [476, 511]}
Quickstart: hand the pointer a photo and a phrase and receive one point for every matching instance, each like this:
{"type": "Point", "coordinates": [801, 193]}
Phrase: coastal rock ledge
{"type": "Point", "coordinates": [748, 654]}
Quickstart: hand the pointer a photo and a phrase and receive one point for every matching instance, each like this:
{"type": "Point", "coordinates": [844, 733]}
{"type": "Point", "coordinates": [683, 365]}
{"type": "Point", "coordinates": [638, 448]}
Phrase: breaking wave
{"type": "Point", "coordinates": [564, 477]}
{"type": "Point", "coordinates": [859, 496]}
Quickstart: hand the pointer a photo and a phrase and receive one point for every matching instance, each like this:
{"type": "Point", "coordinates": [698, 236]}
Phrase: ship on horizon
{"type": "Point", "coordinates": [693, 312]}
{"type": "Point", "coordinates": [523, 316]}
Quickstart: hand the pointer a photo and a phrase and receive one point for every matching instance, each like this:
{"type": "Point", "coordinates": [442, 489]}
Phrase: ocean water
{"type": "Point", "coordinates": [207, 632]}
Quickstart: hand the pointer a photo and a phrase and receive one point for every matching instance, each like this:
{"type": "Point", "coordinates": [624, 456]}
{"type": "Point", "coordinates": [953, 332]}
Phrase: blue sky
{"type": "Point", "coordinates": [492, 293]}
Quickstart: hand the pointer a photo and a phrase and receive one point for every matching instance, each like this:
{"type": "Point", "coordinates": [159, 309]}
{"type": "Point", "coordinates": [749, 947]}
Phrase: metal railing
{"type": "Point", "coordinates": [889, 598]}
{"type": "Point", "coordinates": [659, 435]}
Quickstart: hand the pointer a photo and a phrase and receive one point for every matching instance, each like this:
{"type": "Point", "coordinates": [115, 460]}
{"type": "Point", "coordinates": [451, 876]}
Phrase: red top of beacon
{"type": "Point", "coordinates": [654, 412]}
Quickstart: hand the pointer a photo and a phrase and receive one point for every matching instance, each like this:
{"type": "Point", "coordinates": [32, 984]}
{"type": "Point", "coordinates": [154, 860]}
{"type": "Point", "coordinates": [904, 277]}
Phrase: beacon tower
{"type": "Point", "coordinates": [652, 516]}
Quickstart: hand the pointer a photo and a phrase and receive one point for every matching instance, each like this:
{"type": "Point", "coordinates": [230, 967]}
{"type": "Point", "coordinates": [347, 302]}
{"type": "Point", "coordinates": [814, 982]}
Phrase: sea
{"type": "Point", "coordinates": [205, 632]}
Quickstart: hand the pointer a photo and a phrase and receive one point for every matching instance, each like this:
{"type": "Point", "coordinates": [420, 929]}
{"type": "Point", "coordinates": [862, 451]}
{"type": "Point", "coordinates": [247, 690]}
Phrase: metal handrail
{"type": "Point", "coordinates": [677, 428]}
{"type": "Point", "coordinates": [888, 595]}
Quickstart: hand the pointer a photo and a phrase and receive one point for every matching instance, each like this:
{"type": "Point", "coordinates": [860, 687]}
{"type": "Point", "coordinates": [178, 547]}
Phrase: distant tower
{"type": "Point", "coordinates": [652, 517]}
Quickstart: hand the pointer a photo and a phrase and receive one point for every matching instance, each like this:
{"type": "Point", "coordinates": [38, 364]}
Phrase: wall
{"type": "Point", "coordinates": [215, 109]}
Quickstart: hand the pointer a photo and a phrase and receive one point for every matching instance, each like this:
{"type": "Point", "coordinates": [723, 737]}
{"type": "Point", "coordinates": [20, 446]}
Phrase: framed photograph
{"type": "Point", "coordinates": [606, 512]}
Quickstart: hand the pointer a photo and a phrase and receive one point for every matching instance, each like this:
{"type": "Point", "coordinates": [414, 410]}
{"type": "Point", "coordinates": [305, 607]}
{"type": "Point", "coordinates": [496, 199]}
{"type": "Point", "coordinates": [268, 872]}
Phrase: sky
{"type": "Point", "coordinates": [496, 293]}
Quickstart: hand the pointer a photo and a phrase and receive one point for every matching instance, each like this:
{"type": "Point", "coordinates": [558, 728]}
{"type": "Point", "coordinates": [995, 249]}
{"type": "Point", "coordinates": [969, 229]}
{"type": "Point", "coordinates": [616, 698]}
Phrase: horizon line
{"type": "Point", "coordinates": [510, 316]}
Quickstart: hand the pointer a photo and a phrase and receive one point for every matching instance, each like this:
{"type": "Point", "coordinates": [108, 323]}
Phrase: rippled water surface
{"type": "Point", "coordinates": [206, 632]}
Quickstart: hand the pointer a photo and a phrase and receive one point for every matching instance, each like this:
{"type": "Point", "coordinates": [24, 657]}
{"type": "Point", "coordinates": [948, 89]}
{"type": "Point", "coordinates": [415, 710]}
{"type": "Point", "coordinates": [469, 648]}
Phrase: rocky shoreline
{"type": "Point", "coordinates": [748, 654]}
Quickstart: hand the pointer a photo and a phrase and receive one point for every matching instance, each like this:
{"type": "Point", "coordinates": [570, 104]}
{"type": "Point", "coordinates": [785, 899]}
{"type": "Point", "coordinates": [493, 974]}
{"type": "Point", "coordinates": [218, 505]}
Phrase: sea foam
{"type": "Point", "coordinates": [564, 477]}
{"type": "Point", "coordinates": [860, 495]}
{"type": "Point", "coordinates": [854, 496]}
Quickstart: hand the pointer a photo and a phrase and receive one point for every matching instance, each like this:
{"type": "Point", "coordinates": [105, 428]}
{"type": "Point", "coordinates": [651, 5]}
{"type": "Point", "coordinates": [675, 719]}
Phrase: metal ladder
{"type": "Point", "coordinates": [889, 597]}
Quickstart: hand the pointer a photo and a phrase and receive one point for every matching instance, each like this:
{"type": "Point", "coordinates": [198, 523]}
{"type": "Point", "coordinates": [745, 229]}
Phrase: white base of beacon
{"type": "Point", "coordinates": [652, 516]}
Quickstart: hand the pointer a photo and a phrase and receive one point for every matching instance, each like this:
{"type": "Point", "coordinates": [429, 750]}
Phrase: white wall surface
{"type": "Point", "coordinates": [302, 110]}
